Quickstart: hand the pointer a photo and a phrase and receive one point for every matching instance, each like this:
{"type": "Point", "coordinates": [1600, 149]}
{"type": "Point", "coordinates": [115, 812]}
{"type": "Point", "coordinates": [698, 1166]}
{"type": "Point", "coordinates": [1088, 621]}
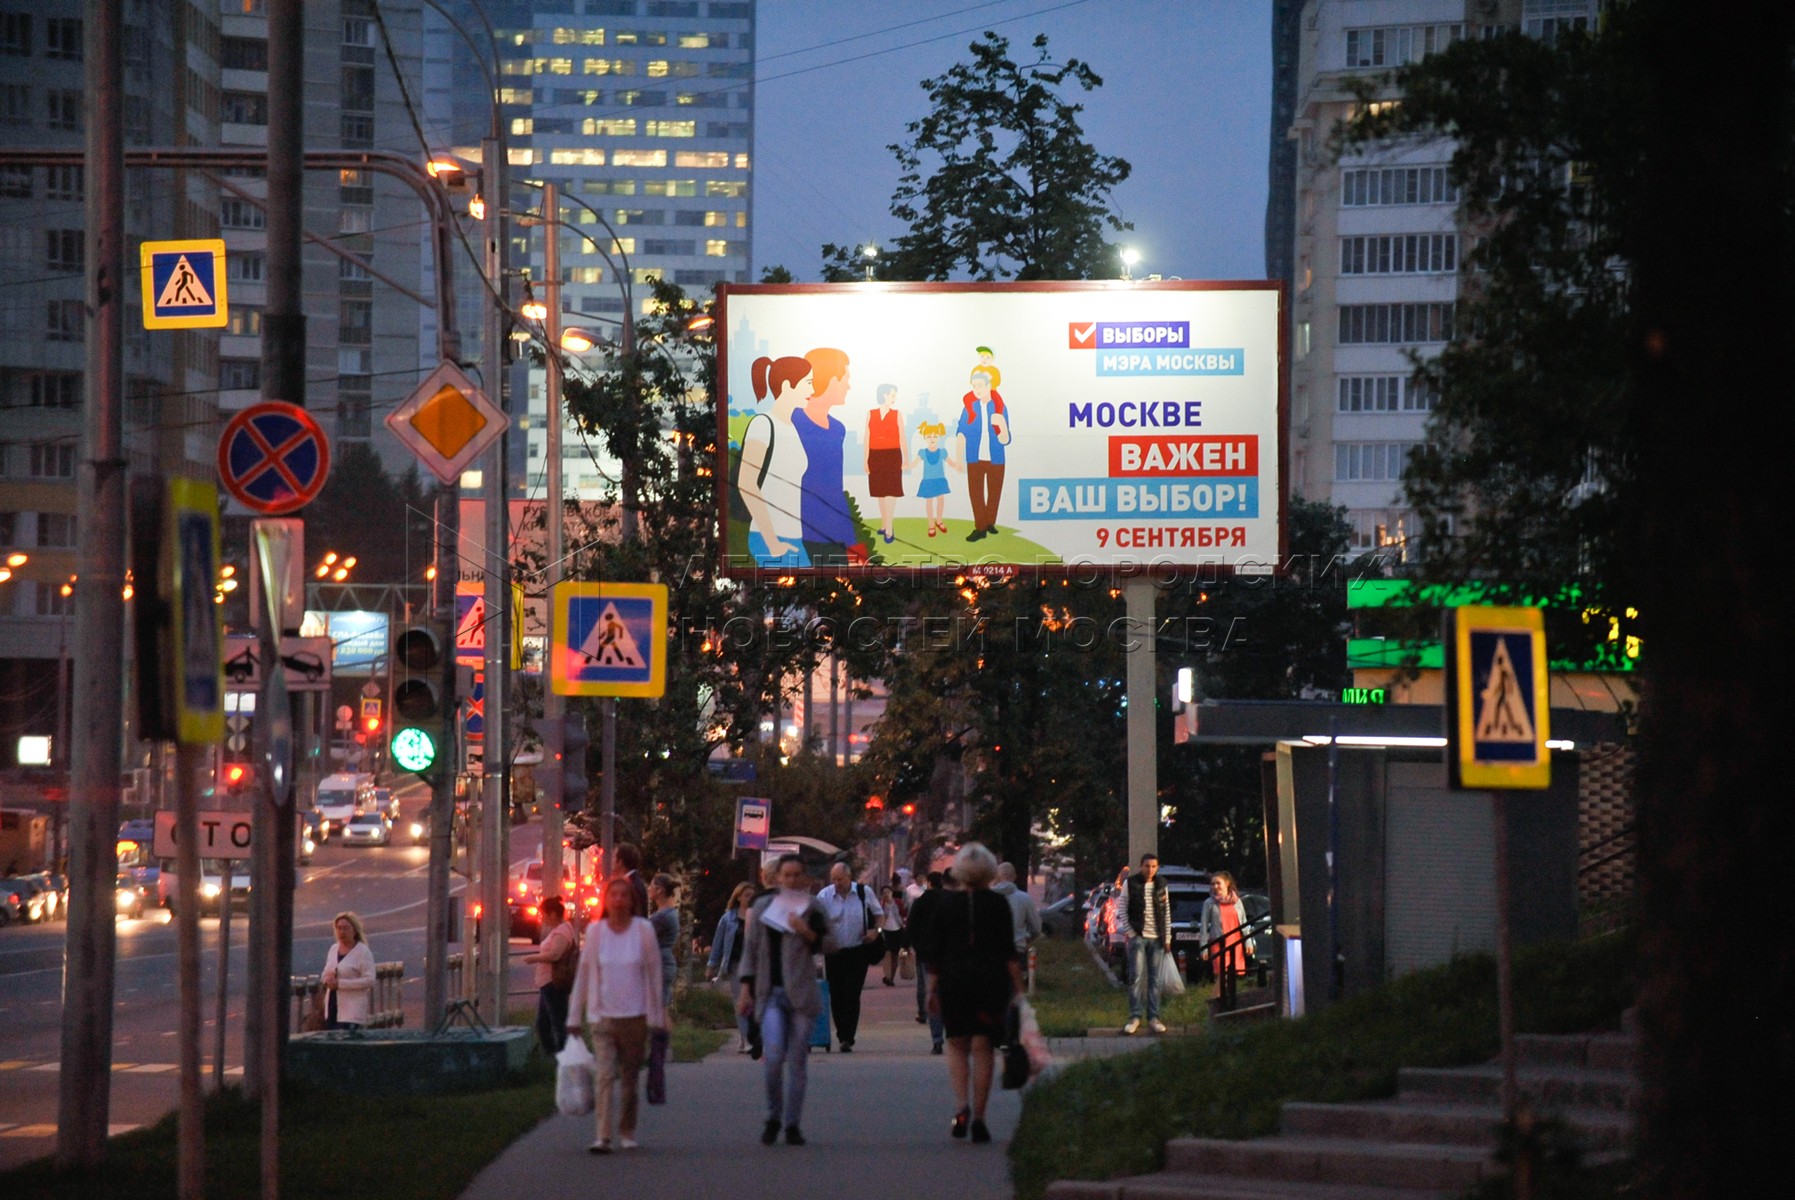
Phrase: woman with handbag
{"type": "Point", "coordinates": [974, 975]}
{"type": "Point", "coordinates": [348, 975]}
{"type": "Point", "coordinates": [617, 991]}
{"type": "Point", "coordinates": [891, 931]}
{"type": "Point", "coordinates": [556, 962]}
{"type": "Point", "coordinates": [725, 962]}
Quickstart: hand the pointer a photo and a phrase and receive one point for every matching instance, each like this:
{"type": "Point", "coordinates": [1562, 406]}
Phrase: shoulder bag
{"type": "Point", "coordinates": [565, 969]}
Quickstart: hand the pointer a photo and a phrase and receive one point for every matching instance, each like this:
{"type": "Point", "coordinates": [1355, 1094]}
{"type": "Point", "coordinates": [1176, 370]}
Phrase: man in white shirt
{"type": "Point", "coordinates": [854, 914]}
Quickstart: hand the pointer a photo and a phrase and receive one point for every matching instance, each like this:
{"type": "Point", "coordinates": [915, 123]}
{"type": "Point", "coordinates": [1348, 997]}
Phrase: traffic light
{"type": "Point", "coordinates": [573, 762]}
{"type": "Point", "coordinates": [417, 699]}
{"type": "Point", "coordinates": [237, 777]}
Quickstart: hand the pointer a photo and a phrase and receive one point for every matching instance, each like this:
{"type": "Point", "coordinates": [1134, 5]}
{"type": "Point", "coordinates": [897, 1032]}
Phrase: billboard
{"type": "Point", "coordinates": [1052, 426]}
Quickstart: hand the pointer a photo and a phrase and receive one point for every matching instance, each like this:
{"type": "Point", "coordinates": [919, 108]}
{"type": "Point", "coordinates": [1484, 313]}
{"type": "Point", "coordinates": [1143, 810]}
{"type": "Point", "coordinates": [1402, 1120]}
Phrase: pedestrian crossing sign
{"type": "Point", "coordinates": [1498, 698]}
{"type": "Point", "coordinates": [184, 284]}
{"type": "Point", "coordinates": [608, 639]}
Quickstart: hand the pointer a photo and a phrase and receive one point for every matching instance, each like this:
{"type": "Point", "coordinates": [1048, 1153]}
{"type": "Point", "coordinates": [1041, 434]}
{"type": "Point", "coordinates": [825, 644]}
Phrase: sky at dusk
{"type": "Point", "coordinates": [1186, 99]}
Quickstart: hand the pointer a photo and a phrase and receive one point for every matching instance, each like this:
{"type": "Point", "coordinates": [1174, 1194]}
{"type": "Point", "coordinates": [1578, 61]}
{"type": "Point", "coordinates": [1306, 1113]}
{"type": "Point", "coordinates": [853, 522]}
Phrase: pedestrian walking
{"type": "Point", "coordinates": [1148, 914]}
{"type": "Point", "coordinates": [727, 945]}
{"type": "Point", "coordinates": [617, 992]}
{"type": "Point", "coordinates": [854, 914]}
{"type": "Point", "coordinates": [922, 919]}
{"type": "Point", "coordinates": [977, 976]}
{"type": "Point", "coordinates": [1025, 914]}
{"type": "Point", "coordinates": [663, 903]}
{"type": "Point", "coordinates": [557, 962]}
{"type": "Point", "coordinates": [1223, 913]}
{"type": "Point", "coordinates": [785, 930]}
{"type": "Point", "coordinates": [891, 931]}
{"type": "Point", "coordinates": [627, 860]}
{"type": "Point", "coordinates": [348, 975]}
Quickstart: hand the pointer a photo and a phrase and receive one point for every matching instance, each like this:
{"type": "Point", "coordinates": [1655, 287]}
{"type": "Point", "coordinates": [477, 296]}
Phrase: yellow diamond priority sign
{"type": "Point", "coordinates": [447, 422]}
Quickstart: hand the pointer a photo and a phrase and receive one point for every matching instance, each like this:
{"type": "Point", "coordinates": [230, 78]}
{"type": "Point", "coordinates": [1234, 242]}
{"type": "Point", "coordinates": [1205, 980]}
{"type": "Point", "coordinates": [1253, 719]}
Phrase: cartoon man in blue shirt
{"type": "Point", "coordinates": [984, 432]}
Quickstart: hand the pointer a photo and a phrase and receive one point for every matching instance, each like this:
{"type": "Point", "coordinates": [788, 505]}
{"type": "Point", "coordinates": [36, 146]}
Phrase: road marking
{"type": "Point", "coordinates": [13, 1064]}
{"type": "Point", "coordinates": [124, 1066]}
{"type": "Point", "coordinates": [30, 1131]}
{"type": "Point", "coordinates": [52, 1066]}
{"type": "Point", "coordinates": [152, 1068]}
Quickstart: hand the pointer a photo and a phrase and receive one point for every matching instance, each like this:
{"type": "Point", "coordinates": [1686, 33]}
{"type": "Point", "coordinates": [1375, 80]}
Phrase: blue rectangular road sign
{"type": "Point", "coordinates": [608, 639]}
{"type": "Point", "coordinates": [1498, 698]}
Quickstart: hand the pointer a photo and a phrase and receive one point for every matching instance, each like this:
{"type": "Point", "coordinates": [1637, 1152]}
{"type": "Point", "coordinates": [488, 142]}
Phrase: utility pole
{"type": "Point", "coordinates": [496, 557]}
{"type": "Point", "coordinates": [85, 1083]}
{"type": "Point", "coordinates": [554, 517]}
{"type": "Point", "coordinates": [441, 602]}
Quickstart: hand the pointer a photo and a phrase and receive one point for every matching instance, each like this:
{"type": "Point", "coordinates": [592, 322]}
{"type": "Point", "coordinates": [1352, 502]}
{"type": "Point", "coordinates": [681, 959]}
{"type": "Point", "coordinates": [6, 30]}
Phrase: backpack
{"type": "Point", "coordinates": [738, 511]}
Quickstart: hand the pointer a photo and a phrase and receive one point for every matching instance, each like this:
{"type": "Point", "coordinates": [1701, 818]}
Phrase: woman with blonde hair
{"type": "Point", "coordinates": [974, 976]}
{"type": "Point", "coordinates": [725, 962]}
{"type": "Point", "coordinates": [348, 975]}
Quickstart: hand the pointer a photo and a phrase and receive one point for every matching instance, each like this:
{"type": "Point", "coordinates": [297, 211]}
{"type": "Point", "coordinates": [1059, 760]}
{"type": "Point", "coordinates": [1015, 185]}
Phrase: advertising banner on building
{"type": "Point", "coordinates": [1058, 426]}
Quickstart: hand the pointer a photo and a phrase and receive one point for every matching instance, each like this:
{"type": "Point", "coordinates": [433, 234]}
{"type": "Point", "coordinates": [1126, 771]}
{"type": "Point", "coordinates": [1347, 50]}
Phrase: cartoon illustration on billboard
{"type": "Point", "coordinates": [1150, 426]}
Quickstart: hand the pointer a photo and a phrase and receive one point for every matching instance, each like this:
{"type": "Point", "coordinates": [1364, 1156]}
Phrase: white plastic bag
{"type": "Point", "coordinates": [1039, 1057]}
{"type": "Point", "coordinates": [1171, 983]}
{"type": "Point", "coordinates": [575, 1078]}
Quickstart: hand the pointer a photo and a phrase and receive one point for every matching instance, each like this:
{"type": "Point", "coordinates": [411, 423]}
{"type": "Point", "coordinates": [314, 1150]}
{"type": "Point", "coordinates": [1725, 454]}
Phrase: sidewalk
{"type": "Point", "coordinates": [876, 1120]}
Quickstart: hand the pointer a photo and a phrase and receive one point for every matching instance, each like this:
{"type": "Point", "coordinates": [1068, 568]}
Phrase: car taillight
{"type": "Point", "coordinates": [477, 910]}
{"type": "Point", "coordinates": [529, 910]}
{"type": "Point", "coordinates": [591, 901]}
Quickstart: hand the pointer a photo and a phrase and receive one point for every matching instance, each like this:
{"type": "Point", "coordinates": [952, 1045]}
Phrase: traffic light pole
{"type": "Point", "coordinates": [440, 610]}
{"type": "Point", "coordinates": [554, 510]}
{"type": "Point", "coordinates": [496, 557]}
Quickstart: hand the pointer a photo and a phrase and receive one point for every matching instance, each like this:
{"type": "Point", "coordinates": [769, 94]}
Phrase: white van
{"type": "Point", "coordinates": [341, 796]}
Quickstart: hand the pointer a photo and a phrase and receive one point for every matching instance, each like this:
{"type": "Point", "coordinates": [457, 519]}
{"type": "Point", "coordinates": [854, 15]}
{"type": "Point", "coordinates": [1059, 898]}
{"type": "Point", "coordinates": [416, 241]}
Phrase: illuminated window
{"type": "Point", "coordinates": [729, 189]}
{"type": "Point", "coordinates": [518, 66]}
{"type": "Point", "coordinates": [515, 96]}
{"type": "Point", "coordinates": [716, 159]}
{"type": "Point", "coordinates": [717, 248]}
{"type": "Point", "coordinates": [523, 158]}
{"type": "Point", "coordinates": [657, 69]}
{"type": "Point", "coordinates": [609, 126]}
{"type": "Point", "coordinates": [523, 126]}
{"type": "Point", "coordinates": [587, 275]}
{"type": "Point", "coordinates": [670, 187]}
{"type": "Point", "coordinates": [643, 158]}
{"type": "Point", "coordinates": [741, 162]}
{"type": "Point", "coordinates": [648, 274]}
{"type": "Point", "coordinates": [673, 129]}
{"type": "Point", "coordinates": [610, 66]}
{"type": "Point", "coordinates": [560, 66]}
{"type": "Point", "coordinates": [577, 158]}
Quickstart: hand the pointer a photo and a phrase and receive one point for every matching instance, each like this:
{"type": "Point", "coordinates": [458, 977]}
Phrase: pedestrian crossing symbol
{"type": "Point", "coordinates": [608, 639]}
{"type": "Point", "coordinates": [1499, 698]}
{"type": "Point", "coordinates": [184, 284]}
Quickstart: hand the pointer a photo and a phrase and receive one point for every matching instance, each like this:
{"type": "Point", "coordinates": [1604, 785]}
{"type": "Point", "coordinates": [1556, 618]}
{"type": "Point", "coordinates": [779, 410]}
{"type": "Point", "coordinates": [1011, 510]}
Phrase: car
{"type": "Point", "coordinates": [55, 891]}
{"type": "Point", "coordinates": [12, 905]}
{"type": "Point", "coordinates": [34, 906]}
{"type": "Point", "coordinates": [386, 804]}
{"type": "Point", "coordinates": [1063, 918]}
{"type": "Point", "coordinates": [131, 896]}
{"type": "Point", "coordinates": [1187, 915]}
{"type": "Point", "coordinates": [211, 885]}
{"type": "Point", "coordinates": [341, 796]}
{"type": "Point", "coordinates": [317, 826]}
{"type": "Point", "coordinates": [367, 829]}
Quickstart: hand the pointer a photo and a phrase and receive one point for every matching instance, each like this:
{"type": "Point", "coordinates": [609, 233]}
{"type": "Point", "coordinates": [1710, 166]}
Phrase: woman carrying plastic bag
{"type": "Point", "coordinates": [575, 1073]}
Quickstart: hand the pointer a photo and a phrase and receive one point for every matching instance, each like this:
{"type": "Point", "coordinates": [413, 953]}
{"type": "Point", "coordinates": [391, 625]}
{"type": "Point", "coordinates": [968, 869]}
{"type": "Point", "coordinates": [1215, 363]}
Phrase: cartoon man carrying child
{"type": "Point", "coordinates": [983, 431]}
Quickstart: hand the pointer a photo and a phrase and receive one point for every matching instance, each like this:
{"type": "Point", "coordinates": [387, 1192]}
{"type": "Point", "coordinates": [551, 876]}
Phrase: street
{"type": "Point", "coordinates": [384, 884]}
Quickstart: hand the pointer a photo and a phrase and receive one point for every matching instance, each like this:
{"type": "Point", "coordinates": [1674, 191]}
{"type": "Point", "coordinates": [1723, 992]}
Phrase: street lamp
{"type": "Point", "coordinates": [870, 254]}
{"type": "Point", "coordinates": [1130, 256]}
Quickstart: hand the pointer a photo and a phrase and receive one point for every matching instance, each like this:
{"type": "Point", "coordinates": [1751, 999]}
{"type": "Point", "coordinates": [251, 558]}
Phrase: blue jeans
{"type": "Point", "coordinates": [786, 1037]}
{"type": "Point", "coordinates": [937, 1033]}
{"type": "Point", "coordinates": [551, 1018]}
{"type": "Point", "coordinates": [1143, 969]}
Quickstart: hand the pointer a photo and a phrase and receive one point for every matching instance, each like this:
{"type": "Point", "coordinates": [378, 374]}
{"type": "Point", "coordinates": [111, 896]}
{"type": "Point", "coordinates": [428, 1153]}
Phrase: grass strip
{"type": "Point", "coordinates": [1102, 1118]}
{"type": "Point", "coordinates": [1073, 995]}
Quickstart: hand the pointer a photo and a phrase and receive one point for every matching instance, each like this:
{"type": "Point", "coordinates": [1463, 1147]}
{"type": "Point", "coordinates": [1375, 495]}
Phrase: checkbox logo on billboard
{"type": "Point", "coordinates": [1081, 335]}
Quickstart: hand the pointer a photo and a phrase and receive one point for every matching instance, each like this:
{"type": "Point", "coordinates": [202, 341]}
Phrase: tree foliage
{"type": "Point", "coordinates": [1531, 462]}
{"type": "Point", "coordinates": [999, 181]}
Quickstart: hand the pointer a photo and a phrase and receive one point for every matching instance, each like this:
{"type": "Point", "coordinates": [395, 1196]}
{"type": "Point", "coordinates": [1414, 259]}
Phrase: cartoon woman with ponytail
{"type": "Point", "coordinates": [773, 462]}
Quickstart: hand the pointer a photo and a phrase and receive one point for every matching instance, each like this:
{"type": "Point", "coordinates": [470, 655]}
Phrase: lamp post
{"type": "Point", "coordinates": [1130, 256]}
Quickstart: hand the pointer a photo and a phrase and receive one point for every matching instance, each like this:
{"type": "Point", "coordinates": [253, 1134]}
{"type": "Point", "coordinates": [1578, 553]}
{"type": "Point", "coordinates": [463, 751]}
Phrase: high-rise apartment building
{"type": "Point", "coordinates": [1375, 252]}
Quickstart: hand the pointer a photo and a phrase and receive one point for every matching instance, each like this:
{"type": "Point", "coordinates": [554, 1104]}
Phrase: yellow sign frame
{"type": "Point", "coordinates": [561, 652]}
{"type": "Point", "coordinates": [190, 500]}
{"type": "Point", "coordinates": [1470, 771]}
{"type": "Point", "coordinates": [213, 248]}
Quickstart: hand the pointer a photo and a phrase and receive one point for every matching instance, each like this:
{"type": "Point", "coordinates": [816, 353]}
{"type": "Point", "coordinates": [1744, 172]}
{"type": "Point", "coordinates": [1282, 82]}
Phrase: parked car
{"type": "Point", "coordinates": [367, 829]}
{"type": "Point", "coordinates": [12, 904]}
{"type": "Point", "coordinates": [33, 905]}
{"type": "Point", "coordinates": [1063, 918]}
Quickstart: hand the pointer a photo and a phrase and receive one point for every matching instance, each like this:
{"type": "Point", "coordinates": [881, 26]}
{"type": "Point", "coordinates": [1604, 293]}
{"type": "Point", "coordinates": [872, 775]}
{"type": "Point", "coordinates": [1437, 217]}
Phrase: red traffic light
{"type": "Point", "coordinates": [237, 775]}
{"type": "Point", "coordinates": [371, 725]}
{"type": "Point", "coordinates": [874, 803]}
{"type": "Point", "coordinates": [909, 810]}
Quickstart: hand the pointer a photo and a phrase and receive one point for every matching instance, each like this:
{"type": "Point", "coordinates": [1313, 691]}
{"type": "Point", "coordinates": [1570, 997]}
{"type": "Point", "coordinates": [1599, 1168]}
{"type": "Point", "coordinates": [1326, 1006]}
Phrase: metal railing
{"type": "Point", "coordinates": [1231, 947]}
{"type": "Point", "coordinates": [385, 1008]}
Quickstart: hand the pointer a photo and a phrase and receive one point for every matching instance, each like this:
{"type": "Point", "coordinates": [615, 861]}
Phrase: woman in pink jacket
{"type": "Point", "coordinates": [618, 992]}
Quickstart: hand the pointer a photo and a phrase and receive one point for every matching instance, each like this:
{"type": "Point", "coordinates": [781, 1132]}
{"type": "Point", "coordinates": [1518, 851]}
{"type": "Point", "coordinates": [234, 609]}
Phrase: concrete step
{"type": "Point", "coordinates": [1614, 1052]}
{"type": "Point", "coordinates": [1548, 1087]}
{"type": "Point", "coordinates": [1448, 1124]}
{"type": "Point", "coordinates": [1604, 1051]}
{"type": "Point", "coordinates": [1171, 1185]}
{"type": "Point", "coordinates": [1336, 1161]}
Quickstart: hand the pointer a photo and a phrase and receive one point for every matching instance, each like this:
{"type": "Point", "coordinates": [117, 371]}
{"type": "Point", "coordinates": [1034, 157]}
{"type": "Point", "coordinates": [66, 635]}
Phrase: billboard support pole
{"type": "Point", "coordinates": [1143, 752]}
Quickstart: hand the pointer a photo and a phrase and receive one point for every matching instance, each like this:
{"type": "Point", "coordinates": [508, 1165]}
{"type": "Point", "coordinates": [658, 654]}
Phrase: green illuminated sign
{"type": "Point", "coordinates": [414, 749]}
{"type": "Point", "coordinates": [1359, 695]}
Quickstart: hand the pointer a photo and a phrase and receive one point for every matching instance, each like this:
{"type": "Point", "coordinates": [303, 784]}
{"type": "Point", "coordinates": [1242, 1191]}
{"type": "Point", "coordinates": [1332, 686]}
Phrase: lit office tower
{"type": "Point", "coordinates": [1376, 248]}
{"type": "Point", "coordinates": [171, 96]}
{"type": "Point", "coordinates": [642, 114]}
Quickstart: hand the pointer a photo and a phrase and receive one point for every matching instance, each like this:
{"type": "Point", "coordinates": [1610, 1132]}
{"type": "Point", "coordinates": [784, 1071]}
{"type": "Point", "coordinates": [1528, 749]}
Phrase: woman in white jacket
{"type": "Point", "coordinates": [618, 992]}
{"type": "Point", "coordinates": [348, 976]}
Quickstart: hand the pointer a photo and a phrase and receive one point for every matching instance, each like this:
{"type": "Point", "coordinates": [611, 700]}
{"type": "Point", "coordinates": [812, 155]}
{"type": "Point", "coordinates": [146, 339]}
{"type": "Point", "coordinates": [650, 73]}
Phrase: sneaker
{"type": "Point", "coordinates": [770, 1134]}
{"type": "Point", "coordinates": [794, 1136]}
{"type": "Point", "coordinates": [961, 1119]}
{"type": "Point", "coordinates": [1156, 1025]}
{"type": "Point", "coordinates": [1133, 1026]}
{"type": "Point", "coordinates": [980, 1135]}
{"type": "Point", "coordinates": [936, 1048]}
{"type": "Point", "coordinates": [921, 1020]}
{"type": "Point", "coordinates": [601, 1146]}
{"type": "Point", "coordinates": [628, 1143]}
{"type": "Point", "coordinates": [847, 1047]}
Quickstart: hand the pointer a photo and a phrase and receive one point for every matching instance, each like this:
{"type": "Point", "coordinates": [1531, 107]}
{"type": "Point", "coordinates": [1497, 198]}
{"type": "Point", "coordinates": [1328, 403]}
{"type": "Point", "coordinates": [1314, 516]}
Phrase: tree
{"type": "Point", "coordinates": [383, 520]}
{"type": "Point", "coordinates": [999, 181]}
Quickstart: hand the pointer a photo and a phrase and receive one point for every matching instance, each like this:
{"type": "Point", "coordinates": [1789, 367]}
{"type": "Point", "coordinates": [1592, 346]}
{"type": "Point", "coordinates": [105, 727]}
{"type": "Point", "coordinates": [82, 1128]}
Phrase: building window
{"type": "Point", "coordinates": [65, 321]}
{"type": "Point", "coordinates": [16, 183]}
{"type": "Point", "coordinates": [245, 320]}
{"type": "Point", "coordinates": [52, 603]}
{"type": "Point", "coordinates": [15, 34]}
{"type": "Point", "coordinates": [9, 529]}
{"type": "Point", "coordinates": [355, 325]}
{"type": "Point", "coordinates": [1399, 254]}
{"type": "Point", "coordinates": [62, 109]}
{"type": "Point", "coordinates": [63, 38]}
{"type": "Point", "coordinates": [1385, 394]}
{"type": "Point", "coordinates": [611, 127]}
{"type": "Point", "coordinates": [668, 247]}
{"type": "Point", "coordinates": [728, 189]}
{"type": "Point", "coordinates": [1393, 324]}
{"type": "Point", "coordinates": [51, 460]}
{"type": "Point", "coordinates": [246, 266]}
{"type": "Point", "coordinates": [673, 129]}
{"type": "Point", "coordinates": [234, 212]}
{"type": "Point", "coordinates": [358, 89]}
{"type": "Point", "coordinates": [639, 158]}
{"type": "Point", "coordinates": [1371, 462]}
{"type": "Point", "coordinates": [56, 389]}
{"type": "Point", "coordinates": [15, 104]}
{"type": "Point", "coordinates": [357, 131]}
{"type": "Point", "coordinates": [1365, 186]}
{"type": "Point", "coordinates": [64, 183]}
{"type": "Point", "coordinates": [1392, 46]}
{"type": "Point", "coordinates": [243, 108]}
{"type": "Point", "coordinates": [243, 54]}
{"type": "Point", "coordinates": [239, 374]}
{"type": "Point", "coordinates": [355, 417]}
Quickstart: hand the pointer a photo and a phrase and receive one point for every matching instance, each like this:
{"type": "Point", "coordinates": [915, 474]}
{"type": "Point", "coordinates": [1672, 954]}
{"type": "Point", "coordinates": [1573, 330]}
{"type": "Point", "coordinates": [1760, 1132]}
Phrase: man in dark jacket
{"type": "Point", "coordinates": [1149, 939]}
{"type": "Point", "coordinates": [922, 915]}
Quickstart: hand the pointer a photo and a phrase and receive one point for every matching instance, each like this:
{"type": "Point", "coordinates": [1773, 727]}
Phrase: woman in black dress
{"type": "Point", "coordinates": [974, 975]}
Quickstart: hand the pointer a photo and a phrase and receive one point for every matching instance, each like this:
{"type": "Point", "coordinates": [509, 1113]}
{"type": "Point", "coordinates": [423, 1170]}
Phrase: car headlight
{"type": "Point", "coordinates": [127, 897]}
{"type": "Point", "coordinates": [209, 891]}
{"type": "Point", "coordinates": [417, 829]}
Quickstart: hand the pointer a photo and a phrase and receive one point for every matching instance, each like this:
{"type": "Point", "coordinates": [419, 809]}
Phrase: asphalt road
{"type": "Point", "coordinates": [384, 884]}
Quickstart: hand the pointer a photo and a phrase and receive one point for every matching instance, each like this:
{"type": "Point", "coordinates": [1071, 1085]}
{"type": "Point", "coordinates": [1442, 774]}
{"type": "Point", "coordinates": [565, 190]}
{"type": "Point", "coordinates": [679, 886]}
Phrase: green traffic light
{"type": "Point", "coordinates": [414, 749]}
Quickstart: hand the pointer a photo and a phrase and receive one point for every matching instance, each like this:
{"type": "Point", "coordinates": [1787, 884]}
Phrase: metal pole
{"type": "Point", "coordinates": [224, 985]}
{"type": "Point", "coordinates": [607, 784]}
{"type": "Point", "coordinates": [496, 557]}
{"type": "Point", "coordinates": [192, 1148]}
{"type": "Point", "coordinates": [1336, 961]}
{"type": "Point", "coordinates": [554, 517]}
{"type": "Point", "coordinates": [1143, 752]}
{"type": "Point", "coordinates": [442, 797]}
{"type": "Point", "coordinates": [84, 1084]}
